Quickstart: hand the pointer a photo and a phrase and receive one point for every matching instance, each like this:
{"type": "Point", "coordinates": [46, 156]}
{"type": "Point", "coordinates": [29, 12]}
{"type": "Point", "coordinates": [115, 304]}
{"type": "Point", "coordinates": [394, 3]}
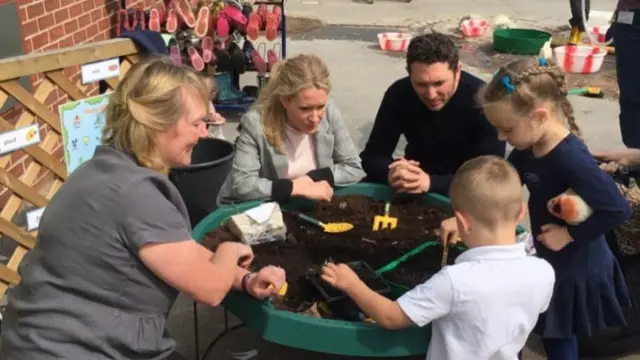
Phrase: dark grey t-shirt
{"type": "Point", "coordinates": [85, 294]}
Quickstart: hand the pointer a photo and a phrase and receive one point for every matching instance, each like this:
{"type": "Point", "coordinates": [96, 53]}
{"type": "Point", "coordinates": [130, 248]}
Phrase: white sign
{"type": "Point", "coordinates": [19, 138]}
{"type": "Point", "coordinates": [100, 70]}
{"type": "Point", "coordinates": [33, 219]}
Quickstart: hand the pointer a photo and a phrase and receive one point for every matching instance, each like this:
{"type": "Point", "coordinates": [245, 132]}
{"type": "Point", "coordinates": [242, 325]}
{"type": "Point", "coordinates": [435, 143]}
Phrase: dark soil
{"type": "Point", "coordinates": [307, 247]}
{"type": "Point", "coordinates": [420, 267]}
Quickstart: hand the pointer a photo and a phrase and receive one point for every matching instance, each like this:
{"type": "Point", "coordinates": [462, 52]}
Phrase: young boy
{"type": "Point", "coordinates": [484, 306]}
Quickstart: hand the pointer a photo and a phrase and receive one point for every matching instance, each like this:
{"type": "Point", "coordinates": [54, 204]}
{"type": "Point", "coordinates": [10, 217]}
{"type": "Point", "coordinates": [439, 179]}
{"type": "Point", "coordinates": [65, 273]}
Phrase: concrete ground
{"type": "Point", "coordinates": [360, 75]}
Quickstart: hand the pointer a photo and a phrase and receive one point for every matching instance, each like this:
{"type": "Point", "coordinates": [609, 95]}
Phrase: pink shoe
{"type": "Point", "coordinates": [154, 20]}
{"type": "Point", "coordinates": [184, 10]}
{"type": "Point", "coordinates": [222, 25]}
{"type": "Point", "coordinates": [272, 27]}
{"type": "Point", "coordinates": [174, 54]}
{"type": "Point", "coordinates": [172, 21]}
{"type": "Point", "coordinates": [253, 26]}
{"type": "Point", "coordinates": [196, 60]}
{"type": "Point", "coordinates": [202, 23]}
{"type": "Point", "coordinates": [207, 49]}
{"type": "Point", "coordinates": [235, 16]}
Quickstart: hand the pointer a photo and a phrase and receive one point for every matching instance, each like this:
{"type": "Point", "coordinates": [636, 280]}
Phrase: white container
{"type": "Point", "coordinates": [394, 41]}
{"type": "Point", "coordinates": [580, 59]}
{"type": "Point", "coordinates": [598, 32]}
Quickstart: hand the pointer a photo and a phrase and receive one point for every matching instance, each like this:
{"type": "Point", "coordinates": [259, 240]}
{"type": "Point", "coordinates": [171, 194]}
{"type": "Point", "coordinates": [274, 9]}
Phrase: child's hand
{"type": "Point", "coordinates": [448, 233]}
{"type": "Point", "coordinates": [340, 276]}
{"type": "Point", "coordinates": [555, 237]}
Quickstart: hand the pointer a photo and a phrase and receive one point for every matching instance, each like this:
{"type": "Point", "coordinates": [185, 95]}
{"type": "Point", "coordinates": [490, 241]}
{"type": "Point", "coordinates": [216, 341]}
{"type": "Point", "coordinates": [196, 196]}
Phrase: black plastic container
{"type": "Point", "coordinates": [200, 182]}
{"type": "Point", "coordinates": [339, 303]}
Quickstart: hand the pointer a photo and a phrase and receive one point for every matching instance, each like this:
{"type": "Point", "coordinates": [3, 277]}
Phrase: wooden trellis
{"type": "Point", "coordinates": [22, 189]}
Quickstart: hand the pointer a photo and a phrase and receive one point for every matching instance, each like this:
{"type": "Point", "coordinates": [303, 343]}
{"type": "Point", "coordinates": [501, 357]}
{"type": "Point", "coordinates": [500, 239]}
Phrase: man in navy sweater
{"type": "Point", "coordinates": [435, 109]}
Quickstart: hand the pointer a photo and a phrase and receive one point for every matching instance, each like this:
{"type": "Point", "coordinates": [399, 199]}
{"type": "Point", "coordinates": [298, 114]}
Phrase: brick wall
{"type": "Point", "coordinates": [55, 24]}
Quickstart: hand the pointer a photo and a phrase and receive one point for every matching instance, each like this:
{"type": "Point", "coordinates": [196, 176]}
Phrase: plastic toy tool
{"type": "Point", "coordinates": [385, 221]}
{"type": "Point", "coordinates": [327, 227]}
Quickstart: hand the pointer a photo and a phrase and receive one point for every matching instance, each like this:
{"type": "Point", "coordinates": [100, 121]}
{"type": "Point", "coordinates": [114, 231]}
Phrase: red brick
{"type": "Point", "coordinates": [87, 5]}
{"type": "Point", "coordinates": [46, 22]}
{"type": "Point", "coordinates": [104, 24]}
{"type": "Point", "coordinates": [41, 40]}
{"type": "Point", "coordinates": [56, 33]}
{"type": "Point", "coordinates": [80, 36]}
{"type": "Point", "coordinates": [71, 27]}
{"type": "Point", "coordinates": [92, 31]}
{"type": "Point", "coordinates": [75, 10]}
{"type": "Point", "coordinates": [51, 5]}
{"type": "Point", "coordinates": [17, 169]}
{"type": "Point", "coordinates": [61, 15]}
{"type": "Point", "coordinates": [95, 15]}
{"type": "Point", "coordinates": [66, 41]}
{"type": "Point", "coordinates": [30, 28]}
{"type": "Point", "coordinates": [35, 10]}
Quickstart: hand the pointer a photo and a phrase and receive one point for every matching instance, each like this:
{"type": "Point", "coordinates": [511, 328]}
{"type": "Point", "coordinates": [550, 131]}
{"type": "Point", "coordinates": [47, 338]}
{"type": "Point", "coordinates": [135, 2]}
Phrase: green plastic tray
{"type": "Point", "coordinates": [323, 335]}
{"type": "Point", "coordinates": [519, 41]}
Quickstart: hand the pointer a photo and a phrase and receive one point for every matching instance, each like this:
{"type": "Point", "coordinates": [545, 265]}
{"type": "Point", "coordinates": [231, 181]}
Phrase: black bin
{"type": "Point", "coordinates": [200, 182]}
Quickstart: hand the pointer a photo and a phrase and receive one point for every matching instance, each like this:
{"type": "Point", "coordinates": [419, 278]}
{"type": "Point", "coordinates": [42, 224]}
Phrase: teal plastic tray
{"type": "Point", "coordinates": [315, 334]}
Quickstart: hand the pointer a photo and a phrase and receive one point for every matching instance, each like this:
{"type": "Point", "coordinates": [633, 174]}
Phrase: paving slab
{"type": "Point", "coordinates": [360, 74]}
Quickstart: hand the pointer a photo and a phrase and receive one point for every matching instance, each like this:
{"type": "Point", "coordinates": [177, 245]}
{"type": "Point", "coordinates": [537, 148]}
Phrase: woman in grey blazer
{"type": "Point", "coordinates": [293, 142]}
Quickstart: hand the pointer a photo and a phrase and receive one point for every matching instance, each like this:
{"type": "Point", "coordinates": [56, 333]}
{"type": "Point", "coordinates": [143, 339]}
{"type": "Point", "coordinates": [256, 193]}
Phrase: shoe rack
{"type": "Point", "coordinates": [251, 70]}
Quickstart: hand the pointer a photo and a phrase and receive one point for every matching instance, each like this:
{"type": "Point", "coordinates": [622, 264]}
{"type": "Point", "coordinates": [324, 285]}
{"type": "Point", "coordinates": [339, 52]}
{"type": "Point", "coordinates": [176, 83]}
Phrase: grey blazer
{"type": "Point", "coordinates": [256, 163]}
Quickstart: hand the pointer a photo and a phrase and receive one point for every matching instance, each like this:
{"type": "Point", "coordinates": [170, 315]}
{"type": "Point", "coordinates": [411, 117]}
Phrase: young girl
{"type": "Point", "coordinates": [527, 102]}
{"type": "Point", "coordinates": [215, 120]}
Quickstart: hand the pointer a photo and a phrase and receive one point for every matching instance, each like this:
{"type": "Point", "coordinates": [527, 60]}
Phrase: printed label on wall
{"type": "Point", "coordinates": [19, 138]}
{"type": "Point", "coordinates": [100, 70]}
{"type": "Point", "coordinates": [33, 218]}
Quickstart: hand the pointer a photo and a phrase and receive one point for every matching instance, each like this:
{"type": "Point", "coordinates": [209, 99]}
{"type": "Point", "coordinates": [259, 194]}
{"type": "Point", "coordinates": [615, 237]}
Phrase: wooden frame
{"type": "Point", "coordinates": [22, 189]}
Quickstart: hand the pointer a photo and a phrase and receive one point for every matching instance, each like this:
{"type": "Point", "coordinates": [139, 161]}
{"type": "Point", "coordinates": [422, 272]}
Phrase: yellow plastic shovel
{"type": "Point", "coordinates": [329, 227]}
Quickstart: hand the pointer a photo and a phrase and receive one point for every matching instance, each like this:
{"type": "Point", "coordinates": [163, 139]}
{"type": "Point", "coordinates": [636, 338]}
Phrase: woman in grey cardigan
{"type": "Point", "coordinates": [294, 141]}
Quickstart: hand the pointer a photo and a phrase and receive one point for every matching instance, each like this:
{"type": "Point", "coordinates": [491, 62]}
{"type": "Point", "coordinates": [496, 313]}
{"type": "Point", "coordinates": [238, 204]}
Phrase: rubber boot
{"type": "Point", "coordinates": [576, 36]}
{"type": "Point", "coordinates": [227, 93]}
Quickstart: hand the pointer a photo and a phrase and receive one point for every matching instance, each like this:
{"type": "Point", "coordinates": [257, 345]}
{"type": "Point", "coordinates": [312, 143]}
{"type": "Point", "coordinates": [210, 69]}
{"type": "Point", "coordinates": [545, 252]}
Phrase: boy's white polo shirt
{"type": "Point", "coordinates": [483, 307]}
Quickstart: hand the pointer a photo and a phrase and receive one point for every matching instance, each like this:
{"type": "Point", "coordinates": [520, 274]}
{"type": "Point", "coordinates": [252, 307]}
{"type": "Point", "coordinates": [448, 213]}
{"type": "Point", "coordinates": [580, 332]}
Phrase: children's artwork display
{"type": "Point", "coordinates": [82, 123]}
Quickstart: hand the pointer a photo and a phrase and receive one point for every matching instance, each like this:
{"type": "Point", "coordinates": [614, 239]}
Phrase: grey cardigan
{"type": "Point", "coordinates": [257, 163]}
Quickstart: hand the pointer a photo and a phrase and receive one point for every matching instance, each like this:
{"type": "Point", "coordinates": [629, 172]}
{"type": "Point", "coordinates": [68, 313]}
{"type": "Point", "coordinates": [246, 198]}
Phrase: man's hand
{"type": "Point", "coordinates": [266, 282]}
{"type": "Point", "coordinates": [340, 276]}
{"type": "Point", "coordinates": [406, 176]}
{"type": "Point", "coordinates": [555, 237]}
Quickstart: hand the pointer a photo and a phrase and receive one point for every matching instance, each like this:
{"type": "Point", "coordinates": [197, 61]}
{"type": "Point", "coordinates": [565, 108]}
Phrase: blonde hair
{"type": "Point", "coordinates": [532, 80]}
{"type": "Point", "coordinates": [473, 190]}
{"type": "Point", "coordinates": [288, 77]}
{"type": "Point", "coordinates": [147, 101]}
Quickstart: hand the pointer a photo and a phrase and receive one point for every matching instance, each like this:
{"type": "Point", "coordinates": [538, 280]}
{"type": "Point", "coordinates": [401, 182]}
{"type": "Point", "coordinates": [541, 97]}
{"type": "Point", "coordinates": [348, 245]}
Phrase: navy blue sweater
{"type": "Point", "coordinates": [570, 166]}
{"type": "Point", "coordinates": [440, 140]}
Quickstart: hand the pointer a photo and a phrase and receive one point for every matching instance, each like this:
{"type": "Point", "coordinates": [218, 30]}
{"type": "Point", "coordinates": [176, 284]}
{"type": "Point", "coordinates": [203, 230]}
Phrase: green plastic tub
{"type": "Point", "coordinates": [323, 335]}
{"type": "Point", "coordinates": [519, 41]}
{"type": "Point", "coordinates": [326, 335]}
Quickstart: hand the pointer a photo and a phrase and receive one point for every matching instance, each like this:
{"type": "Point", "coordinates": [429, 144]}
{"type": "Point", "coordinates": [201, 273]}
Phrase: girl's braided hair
{"type": "Point", "coordinates": [524, 83]}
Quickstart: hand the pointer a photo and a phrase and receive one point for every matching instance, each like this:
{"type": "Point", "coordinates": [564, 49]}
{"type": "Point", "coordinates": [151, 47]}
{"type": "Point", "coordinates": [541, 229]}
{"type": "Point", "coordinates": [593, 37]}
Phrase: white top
{"type": "Point", "coordinates": [301, 152]}
{"type": "Point", "coordinates": [484, 306]}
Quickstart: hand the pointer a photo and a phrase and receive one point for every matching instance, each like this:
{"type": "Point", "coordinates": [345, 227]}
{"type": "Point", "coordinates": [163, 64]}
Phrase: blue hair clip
{"type": "Point", "coordinates": [543, 61]}
{"type": "Point", "coordinates": [508, 86]}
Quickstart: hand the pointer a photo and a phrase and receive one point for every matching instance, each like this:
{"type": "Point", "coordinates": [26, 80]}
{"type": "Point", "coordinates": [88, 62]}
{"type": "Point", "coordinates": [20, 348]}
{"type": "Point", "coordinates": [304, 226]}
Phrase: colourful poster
{"type": "Point", "coordinates": [82, 123]}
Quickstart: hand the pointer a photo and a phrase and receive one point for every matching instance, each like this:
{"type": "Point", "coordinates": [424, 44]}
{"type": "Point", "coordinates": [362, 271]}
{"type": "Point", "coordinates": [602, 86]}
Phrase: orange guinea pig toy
{"type": "Point", "coordinates": [569, 207]}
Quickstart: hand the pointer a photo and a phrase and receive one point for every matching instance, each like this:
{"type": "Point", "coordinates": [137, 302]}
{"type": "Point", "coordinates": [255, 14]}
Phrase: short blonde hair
{"type": "Point", "coordinates": [488, 189]}
{"type": "Point", "coordinates": [147, 101]}
{"type": "Point", "coordinates": [288, 77]}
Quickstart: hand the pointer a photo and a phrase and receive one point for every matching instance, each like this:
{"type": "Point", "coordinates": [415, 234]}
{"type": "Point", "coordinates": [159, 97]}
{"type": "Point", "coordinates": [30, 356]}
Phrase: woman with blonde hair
{"type": "Point", "coordinates": [294, 141]}
{"type": "Point", "coordinates": [114, 246]}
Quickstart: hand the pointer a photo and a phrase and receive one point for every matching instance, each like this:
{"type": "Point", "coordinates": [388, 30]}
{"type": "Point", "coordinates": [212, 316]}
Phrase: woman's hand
{"type": "Point", "coordinates": [555, 237]}
{"type": "Point", "coordinates": [266, 282]}
{"type": "Point", "coordinates": [340, 276]}
{"type": "Point", "coordinates": [448, 233]}
{"type": "Point", "coordinates": [305, 187]}
{"type": "Point", "coordinates": [624, 157]}
{"type": "Point", "coordinates": [242, 252]}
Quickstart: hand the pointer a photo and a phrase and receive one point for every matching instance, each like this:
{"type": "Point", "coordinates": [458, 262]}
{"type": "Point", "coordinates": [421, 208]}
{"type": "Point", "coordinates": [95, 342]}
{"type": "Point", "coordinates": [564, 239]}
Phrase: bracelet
{"type": "Point", "coordinates": [245, 281]}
